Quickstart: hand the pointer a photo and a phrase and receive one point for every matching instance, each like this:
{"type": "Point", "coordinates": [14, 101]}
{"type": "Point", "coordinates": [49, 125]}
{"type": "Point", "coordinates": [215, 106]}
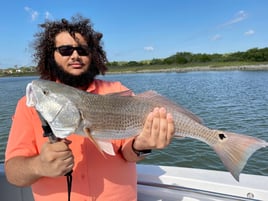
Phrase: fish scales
{"type": "Point", "coordinates": [120, 118]}
{"type": "Point", "coordinates": [127, 115]}
{"type": "Point", "coordinates": [69, 110]}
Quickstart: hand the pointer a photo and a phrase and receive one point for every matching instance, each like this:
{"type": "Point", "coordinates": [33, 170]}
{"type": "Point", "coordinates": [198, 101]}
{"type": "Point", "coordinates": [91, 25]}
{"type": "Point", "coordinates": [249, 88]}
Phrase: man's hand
{"type": "Point", "coordinates": [157, 131]}
{"type": "Point", "coordinates": [56, 159]}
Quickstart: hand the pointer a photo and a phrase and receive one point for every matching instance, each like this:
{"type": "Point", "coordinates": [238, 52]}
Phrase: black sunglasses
{"type": "Point", "coordinates": [67, 50]}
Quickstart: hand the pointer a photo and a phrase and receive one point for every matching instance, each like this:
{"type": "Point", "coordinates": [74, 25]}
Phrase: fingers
{"type": "Point", "coordinates": [56, 159]}
{"type": "Point", "coordinates": [68, 165]}
{"type": "Point", "coordinates": [166, 128]}
{"type": "Point", "coordinates": [171, 128]}
{"type": "Point", "coordinates": [155, 129]}
{"type": "Point", "coordinates": [148, 123]}
{"type": "Point", "coordinates": [157, 132]}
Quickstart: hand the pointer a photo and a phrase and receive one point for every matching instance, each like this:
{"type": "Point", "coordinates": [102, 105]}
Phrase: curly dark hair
{"type": "Point", "coordinates": [44, 45]}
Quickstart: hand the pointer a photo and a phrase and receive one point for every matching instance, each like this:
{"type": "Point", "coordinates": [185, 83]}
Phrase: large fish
{"type": "Point", "coordinates": [115, 116]}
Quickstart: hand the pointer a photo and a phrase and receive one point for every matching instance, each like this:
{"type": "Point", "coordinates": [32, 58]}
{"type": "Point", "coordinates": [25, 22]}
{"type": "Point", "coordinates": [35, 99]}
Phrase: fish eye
{"type": "Point", "coordinates": [45, 92]}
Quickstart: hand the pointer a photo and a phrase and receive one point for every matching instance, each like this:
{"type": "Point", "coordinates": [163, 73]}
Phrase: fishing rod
{"type": "Point", "coordinates": [53, 139]}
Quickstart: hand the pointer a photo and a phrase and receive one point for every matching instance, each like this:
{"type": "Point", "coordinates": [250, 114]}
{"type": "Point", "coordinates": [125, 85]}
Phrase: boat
{"type": "Point", "coordinates": [169, 183]}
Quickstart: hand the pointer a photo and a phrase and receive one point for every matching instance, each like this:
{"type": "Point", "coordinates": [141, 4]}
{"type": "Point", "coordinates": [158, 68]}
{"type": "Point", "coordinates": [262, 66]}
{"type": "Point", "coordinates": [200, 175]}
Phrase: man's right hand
{"type": "Point", "coordinates": [55, 159]}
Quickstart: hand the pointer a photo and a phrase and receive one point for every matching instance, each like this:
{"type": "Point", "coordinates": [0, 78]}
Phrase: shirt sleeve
{"type": "Point", "coordinates": [106, 87]}
{"type": "Point", "coordinates": [21, 140]}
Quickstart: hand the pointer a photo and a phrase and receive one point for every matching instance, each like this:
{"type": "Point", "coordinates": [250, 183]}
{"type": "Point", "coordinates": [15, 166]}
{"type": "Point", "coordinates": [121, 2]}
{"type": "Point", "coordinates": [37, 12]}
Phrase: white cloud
{"type": "Point", "coordinates": [34, 14]}
{"type": "Point", "coordinates": [239, 16]}
{"type": "Point", "coordinates": [249, 32]}
{"type": "Point", "coordinates": [149, 48]}
{"type": "Point", "coordinates": [216, 37]}
{"type": "Point", "coordinates": [26, 8]}
{"type": "Point", "coordinates": [48, 15]}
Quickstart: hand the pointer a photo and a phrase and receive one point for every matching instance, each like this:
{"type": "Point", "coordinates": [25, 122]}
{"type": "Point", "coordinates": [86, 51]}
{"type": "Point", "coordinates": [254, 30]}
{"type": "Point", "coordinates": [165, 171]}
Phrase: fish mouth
{"type": "Point", "coordinates": [30, 98]}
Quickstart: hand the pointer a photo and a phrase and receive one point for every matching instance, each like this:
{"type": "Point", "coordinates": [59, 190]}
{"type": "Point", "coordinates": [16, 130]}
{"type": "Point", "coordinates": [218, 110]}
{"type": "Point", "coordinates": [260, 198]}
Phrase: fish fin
{"type": "Point", "coordinates": [101, 145]}
{"type": "Point", "coordinates": [121, 93]}
{"type": "Point", "coordinates": [106, 146]}
{"type": "Point", "coordinates": [163, 101]}
{"type": "Point", "coordinates": [87, 131]}
{"type": "Point", "coordinates": [30, 102]}
{"type": "Point", "coordinates": [235, 149]}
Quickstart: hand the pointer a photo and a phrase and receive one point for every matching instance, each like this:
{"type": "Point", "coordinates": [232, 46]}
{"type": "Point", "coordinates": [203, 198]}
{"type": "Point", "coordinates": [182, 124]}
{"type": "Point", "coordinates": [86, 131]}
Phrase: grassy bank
{"type": "Point", "coordinates": [171, 68]}
{"type": "Point", "coordinates": [189, 67]}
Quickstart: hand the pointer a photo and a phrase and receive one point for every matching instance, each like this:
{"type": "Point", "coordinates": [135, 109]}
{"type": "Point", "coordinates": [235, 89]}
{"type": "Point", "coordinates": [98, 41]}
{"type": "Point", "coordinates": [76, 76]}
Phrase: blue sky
{"type": "Point", "coordinates": [141, 29]}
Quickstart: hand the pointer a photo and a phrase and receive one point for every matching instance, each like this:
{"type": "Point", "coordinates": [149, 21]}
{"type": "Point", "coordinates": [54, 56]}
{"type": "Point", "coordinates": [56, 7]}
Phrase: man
{"type": "Point", "coordinates": [71, 53]}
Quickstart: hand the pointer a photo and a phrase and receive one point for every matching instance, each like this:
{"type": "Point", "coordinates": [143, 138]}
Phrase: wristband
{"type": "Point", "coordinates": [141, 153]}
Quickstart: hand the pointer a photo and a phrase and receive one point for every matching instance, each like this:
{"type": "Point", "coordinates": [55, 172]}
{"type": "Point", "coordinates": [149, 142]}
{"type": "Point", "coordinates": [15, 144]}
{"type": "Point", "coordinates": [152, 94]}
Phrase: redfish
{"type": "Point", "coordinates": [116, 116]}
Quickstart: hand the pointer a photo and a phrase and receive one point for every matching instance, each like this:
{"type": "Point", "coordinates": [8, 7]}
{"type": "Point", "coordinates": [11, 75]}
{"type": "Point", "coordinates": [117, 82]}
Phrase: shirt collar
{"type": "Point", "coordinates": [90, 88]}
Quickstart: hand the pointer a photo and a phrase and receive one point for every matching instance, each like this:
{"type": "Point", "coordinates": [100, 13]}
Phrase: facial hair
{"type": "Point", "coordinates": [78, 81]}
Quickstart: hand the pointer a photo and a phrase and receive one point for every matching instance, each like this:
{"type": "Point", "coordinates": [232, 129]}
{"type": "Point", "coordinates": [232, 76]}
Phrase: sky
{"type": "Point", "coordinates": [141, 29]}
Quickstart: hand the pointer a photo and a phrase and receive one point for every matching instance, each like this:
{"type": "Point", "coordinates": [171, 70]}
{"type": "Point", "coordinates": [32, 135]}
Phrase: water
{"type": "Point", "coordinates": [231, 100]}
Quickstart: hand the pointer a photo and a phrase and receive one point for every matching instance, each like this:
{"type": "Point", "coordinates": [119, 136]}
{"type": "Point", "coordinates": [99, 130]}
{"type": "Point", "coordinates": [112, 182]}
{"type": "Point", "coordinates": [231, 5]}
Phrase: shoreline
{"type": "Point", "coordinates": [261, 67]}
{"type": "Point", "coordinates": [255, 67]}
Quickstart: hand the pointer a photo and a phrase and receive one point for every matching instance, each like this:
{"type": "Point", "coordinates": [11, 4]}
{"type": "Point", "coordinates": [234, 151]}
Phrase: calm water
{"type": "Point", "coordinates": [233, 100]}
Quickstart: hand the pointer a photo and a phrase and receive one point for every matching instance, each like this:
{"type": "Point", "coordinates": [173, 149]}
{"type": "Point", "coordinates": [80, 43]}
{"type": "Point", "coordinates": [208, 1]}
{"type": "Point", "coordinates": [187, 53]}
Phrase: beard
{"type": "Point", "coordinates": [82, 80]}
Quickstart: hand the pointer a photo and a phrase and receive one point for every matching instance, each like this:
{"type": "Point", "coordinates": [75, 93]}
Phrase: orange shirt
{"type": "Point", "coordinates": [95, 177]}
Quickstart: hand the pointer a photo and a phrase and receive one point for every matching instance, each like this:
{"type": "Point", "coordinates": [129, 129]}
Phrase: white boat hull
{"type": "Point", "coordinates": [165, 183]}
{"type": "Point", "coordinates": [187, 184]}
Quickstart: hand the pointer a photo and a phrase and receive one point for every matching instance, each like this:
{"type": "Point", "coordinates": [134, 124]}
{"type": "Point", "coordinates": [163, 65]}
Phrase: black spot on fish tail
{"type": "Point", "coordinates": [222, 136]}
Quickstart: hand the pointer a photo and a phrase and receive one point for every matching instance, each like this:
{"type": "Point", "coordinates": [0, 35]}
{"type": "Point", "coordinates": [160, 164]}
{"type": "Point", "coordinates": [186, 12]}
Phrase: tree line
{"type": "Point", "coordinates": [251, 55]}
{"type": "Point", "coordinates": [254, 55]}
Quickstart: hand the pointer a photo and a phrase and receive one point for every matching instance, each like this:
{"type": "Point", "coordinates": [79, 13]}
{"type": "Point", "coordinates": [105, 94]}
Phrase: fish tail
{"type": "Point", "coordinates": [235, 149]}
